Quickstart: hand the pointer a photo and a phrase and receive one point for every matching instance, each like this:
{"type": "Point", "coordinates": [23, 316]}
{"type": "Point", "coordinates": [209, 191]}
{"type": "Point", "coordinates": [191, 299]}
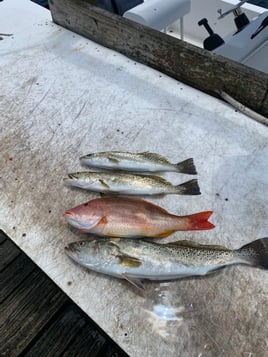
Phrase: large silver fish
{"type": "Point", "coordinates": [132, 259]}
{"type": "Point", "coordinates": [129, 184]}
{"type": "Point", "coordinates": [136, 162]}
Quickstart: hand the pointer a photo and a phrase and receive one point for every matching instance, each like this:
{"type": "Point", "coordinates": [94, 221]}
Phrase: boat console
{"type": "Point", "coordinates": [243, 39]}
{"type": "Point", "coordinates": [249, 45]}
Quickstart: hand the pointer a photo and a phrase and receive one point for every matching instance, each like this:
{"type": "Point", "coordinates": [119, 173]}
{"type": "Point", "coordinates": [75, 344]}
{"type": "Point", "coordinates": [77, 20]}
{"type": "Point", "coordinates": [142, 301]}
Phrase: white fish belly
{"type": "Point", "coordinates": [157, 275]}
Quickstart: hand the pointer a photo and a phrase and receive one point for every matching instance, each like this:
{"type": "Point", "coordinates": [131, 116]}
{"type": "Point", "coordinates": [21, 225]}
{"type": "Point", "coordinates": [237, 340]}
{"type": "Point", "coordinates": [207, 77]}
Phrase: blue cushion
{"type": "Point", "coordinates": [118, 6]}
{"type": "Point", "coordinates": [106, 5]}
{"type": "Point", "coordinates": [124, 5]}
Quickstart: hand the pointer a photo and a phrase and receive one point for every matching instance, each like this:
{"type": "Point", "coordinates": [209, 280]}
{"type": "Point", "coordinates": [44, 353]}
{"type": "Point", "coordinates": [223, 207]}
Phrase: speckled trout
{"type": "Point", "coordinates": [129, 184]}
{"type": "Point", "coordinates": [132, 218]}
{"type": "Point", "coordinates": [136, 162]}
{"type": "Point", "coordinates": [137, 259]}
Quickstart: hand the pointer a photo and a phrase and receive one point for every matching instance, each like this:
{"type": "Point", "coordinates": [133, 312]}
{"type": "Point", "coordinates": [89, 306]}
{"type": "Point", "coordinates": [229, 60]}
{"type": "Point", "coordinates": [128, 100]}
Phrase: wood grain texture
{"type": "Point", "coordinates": [110, 351]}
{"type": "Point", "coordinates": [2, 237]}
{"type": "Point", "coordinates": [59, 335]}
{"type": "Point", "coordinates": [194, 66]}
{"type": "Point", "coordinates": [26, 312]}
{"type": "Point", "coordinates": [31, 324]}
{"type": "Point", "coordinates": [88, 343]}
{"type": "Point", "coordinates": [14, 275]}
{"type": "Point", "coordinates": [8, 252]}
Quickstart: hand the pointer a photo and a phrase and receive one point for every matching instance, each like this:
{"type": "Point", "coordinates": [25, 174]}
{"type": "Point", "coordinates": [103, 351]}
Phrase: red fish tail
{"type": "Point", "coordinates": [199, 221]}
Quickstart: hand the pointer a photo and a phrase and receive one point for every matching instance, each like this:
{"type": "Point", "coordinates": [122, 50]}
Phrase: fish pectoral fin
{"type": "Point", "coordinates": [104, 183]}
{"type": "Point", "coordinates": [135, 282]}
{"type": "Point", "coordinates": [129, 261]}
{"type": "Point", "coordinates": [103, 220]}
{"type": "Point", "coordinates": [113, 159]}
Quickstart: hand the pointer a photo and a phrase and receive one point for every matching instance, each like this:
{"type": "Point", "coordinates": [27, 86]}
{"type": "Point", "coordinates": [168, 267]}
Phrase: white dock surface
{"type": "Point", "coordinates": [62, 96]}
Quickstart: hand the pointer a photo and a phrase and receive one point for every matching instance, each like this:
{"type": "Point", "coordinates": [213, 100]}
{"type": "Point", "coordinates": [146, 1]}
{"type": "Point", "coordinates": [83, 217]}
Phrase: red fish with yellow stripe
{"type": "Point", "coordinates": [126, 217]}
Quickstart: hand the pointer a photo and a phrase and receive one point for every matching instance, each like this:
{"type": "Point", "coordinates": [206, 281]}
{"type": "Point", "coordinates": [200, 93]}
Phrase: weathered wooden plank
{"type": "Point", "coordinates": [3, 237]}
{"type": "Point", "coordinates": [111, 351]}
{"type": "Point", "coordinates": [27, 311]}
{"type": "Point", "coordinates": [88, 343]}
{"type": "Point", "coordinates": [32, 325]}
{"type": "Point", "coordinates": [59, 334]}
{"type": "Point", "coordinates": [194, 66]}
{"type": "Point", "coordinates": [8, 252]}
{"type": "Point", "coordinates": [14, 274]}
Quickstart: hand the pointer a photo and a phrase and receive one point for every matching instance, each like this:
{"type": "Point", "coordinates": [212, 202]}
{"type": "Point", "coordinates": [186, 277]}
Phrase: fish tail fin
{"type": "Point", "coordinates": [199, 221]}
{"type": "Point", "coordinates": [188, 188]}
{"type": "Point", "coordinates": [186, 167]}
{"type": "Point", "coordinates": [255, 253]}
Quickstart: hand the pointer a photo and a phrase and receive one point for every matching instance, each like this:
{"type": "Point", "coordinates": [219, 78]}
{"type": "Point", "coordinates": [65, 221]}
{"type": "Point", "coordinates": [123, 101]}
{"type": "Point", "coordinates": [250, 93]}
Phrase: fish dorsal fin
{"type": "Point", "coordinates": [135, 282]}
{"type": "Point", "coordinates": [138, 200]}
{"type": "Point", "coordinates": [154, 156]}
{"type": "Point", "coordinates": [150, 204]}
{"type": "Point", "coordinates": [128, 261]}
{"type": "Point", "coordinates": [183, 243]}
{"type": "Point", "coordinates": [189, 244]}
{"type": "Point", "coordinates": [159, 179]}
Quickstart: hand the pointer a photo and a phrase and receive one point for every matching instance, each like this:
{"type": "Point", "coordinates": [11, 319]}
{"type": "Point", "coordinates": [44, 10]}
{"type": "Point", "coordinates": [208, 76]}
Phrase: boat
{"type": "Point", "coordinates": [232, 66]}
{"type": "Point", "coordinates": [239, 29]}
{"type": "Point", "coordinates": [236, 30]}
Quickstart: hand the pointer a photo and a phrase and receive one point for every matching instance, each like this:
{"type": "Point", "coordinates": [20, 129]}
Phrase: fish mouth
{"type": "Point", "coordinates": [70, 251]}
{"type": "Point", "coordinates": [84, 158]}
{"type": "Point", "coordinates": [71, 219]}
{"type": "Point", "coordinates": [70, 177]}
{"type": "Point", "coordinates": [68, 214]}
{"type": "Point", "coordinates": [74, 254]}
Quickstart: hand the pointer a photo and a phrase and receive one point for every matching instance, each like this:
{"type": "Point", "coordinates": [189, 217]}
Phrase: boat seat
{"type": "Point", "coordinates": [248, 46]}
{"type": "Point", "coordinates": [158, 14]}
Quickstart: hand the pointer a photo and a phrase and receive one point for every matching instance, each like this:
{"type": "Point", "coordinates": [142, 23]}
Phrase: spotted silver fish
{"type": "Point", "coordinates": [129, 184]}
{"type": "Point", "coordinates": [136, 162]}
{"type": "Point", "coordinates": [133, 259]}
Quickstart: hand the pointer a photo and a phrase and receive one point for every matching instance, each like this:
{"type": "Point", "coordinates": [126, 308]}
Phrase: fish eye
{"type": "Point", "coordinates": [81, 244]}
